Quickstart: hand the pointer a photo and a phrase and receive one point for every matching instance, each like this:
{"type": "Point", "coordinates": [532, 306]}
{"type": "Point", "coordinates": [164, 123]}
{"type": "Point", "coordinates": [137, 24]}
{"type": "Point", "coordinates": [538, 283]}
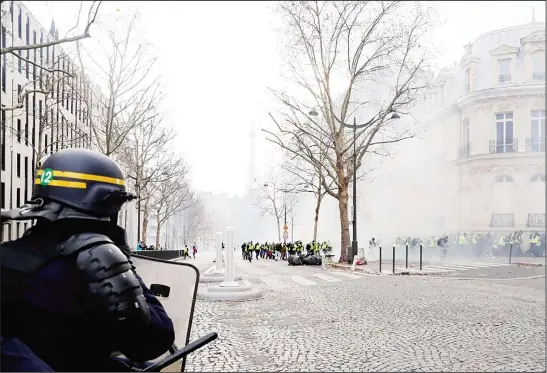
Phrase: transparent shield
{"type": "Point", "coordinates": [175, 285]}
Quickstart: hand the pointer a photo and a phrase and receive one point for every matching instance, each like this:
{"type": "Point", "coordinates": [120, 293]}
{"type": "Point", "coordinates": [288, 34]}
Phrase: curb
{"type": "Point", "coordinates": [529, 264]}
{"type": "Point", "coordinates": [491, 279]}
{"type": "Point", "coordinates": [400, 273]}
{"type": "Point", "coordinates": [345, 268]}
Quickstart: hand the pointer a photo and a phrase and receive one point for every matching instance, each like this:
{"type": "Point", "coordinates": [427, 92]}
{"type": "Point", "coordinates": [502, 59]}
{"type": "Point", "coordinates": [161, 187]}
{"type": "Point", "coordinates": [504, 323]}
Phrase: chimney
{"type": "Point", "coordinates": [467, 49]}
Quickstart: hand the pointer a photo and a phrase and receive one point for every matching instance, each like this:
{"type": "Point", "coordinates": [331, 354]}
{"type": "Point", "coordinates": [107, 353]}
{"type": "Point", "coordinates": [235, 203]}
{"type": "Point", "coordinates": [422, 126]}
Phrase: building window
{"type": "Point", "coordinates": [19, 62]}
{"type": "Point", "coordinates": [18, 197]}
{"type": "Point", "coordinates": [3, 194]}
{"type": "Point", "coordinates": [27, 29]}
{"type": "Point", "coordinates": [18, 165]}
{"type": "Point", "coordinates": [504, 143]}
{"type": "Point", "coordinates": [26, 132]}
{"type": "Point", "coordinates": [504, 70]}
{"type": "Point", "coordinates": [41, 49]}
{"type": "Point", "coordinates": [538, 178]}
{"type": "Point", "coordinates": [536, 142]}
{"type": "Point", "coordinates": [504, 179]}
{"type": "Point", "coordinates": [19, 23]}
{"type": "Point", "coordinates": [4, 60]}
{"type": "Point", "coordinates": [18, 130]}
{"type": "Point", "coordinates": [26, 196]}
{"type": "Point", "coordinates": [467, 84]}
{"type": "Point", "coordinates": [538, 66]}
{"type": "Point", "coordinates": [3, 141]}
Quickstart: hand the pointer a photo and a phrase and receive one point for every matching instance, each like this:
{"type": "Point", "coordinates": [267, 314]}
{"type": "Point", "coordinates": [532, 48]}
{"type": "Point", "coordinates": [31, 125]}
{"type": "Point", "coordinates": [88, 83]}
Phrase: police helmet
{"type": "Point", "coordinates": [84, 180]}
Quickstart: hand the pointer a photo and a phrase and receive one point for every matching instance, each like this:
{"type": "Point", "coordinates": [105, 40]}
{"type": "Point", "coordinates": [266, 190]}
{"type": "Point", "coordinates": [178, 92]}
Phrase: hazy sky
{"type": "Point", "coordinates": [218, 59]}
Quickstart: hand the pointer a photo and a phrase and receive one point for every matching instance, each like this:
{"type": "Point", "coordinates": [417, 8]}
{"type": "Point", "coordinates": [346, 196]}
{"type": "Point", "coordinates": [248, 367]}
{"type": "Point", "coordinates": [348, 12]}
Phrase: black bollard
{"type": "Point", "coordinates": [421, 256]}
{"type": "Point", "coordinates": [406, 257]}
{"type": "Point", "coordinates": [510, 252]}
{"type": "Point", "coordinates": [380, 259]}
{"type": "Point", "coordinates": [393, 263]}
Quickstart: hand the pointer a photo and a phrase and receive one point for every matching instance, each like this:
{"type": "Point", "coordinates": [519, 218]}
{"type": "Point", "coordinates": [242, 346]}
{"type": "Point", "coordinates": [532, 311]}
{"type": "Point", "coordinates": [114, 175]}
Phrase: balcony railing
{"type": "Point", "coordinates": [536, 221]}
{"type": "Point", "coordinates": [507, 147]}
{"type": "Point", "coordinates": [504, 78]}
{"type": "Point", "coordinates": [464, 151]}
{"type": "Point", "coordinates": [535, 144]}
{"type": "Point", "coordinates": [502, 221]}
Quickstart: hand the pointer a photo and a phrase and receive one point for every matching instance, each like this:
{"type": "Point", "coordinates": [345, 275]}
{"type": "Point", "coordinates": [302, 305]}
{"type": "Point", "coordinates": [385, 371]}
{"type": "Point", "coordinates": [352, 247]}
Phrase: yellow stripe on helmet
{"type": "Point", "coordinates": [64, 184]}
{"type": "Point", "coordinates": [89, 177]}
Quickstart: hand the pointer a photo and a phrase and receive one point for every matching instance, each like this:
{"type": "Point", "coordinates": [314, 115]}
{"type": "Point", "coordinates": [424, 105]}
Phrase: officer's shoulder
{"type": "Point", "coordinates": [82, 241]}
{"type": "Point", "coordinates": [28, 253]}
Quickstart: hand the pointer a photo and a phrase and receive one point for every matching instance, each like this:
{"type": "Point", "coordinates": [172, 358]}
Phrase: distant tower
{"type": "Point", "coordinates": [52, 28]}
{"type": "Point", "coordinates": [252, 155]}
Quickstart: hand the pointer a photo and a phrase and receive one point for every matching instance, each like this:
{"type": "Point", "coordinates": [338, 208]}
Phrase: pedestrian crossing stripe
{"type": "Point", "coordinates": [348, 275]}
{"type": "Point", "coordinates": [302, 280]}
{"type": "Point", "coordinates": [274, 282]}
{"type": "Point", "coordinates": [326, 277]}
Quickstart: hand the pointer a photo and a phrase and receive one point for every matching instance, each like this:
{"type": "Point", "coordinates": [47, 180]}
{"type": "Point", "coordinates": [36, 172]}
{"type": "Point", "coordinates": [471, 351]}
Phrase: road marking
{"type": "Point", "coordinates": [493, 264]}
{"type": "Point", "coordinates": [457, 266]}
{"type": "Point", "coordinates": [302, 281]}
{"type": "Point", "coordinates": [440, 268]}
{"type": "Point", "coordinates": [326, 277]}
{"type": "Point", "coordinates": [348, 275]}
{"type": "Point", "coordinates": [274, 282]}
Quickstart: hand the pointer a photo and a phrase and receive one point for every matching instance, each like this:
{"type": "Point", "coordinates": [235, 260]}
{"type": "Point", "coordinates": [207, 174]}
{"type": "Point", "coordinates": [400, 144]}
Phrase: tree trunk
{"type": "Point", "coordinates": [344, 220]}
{"type": "Point", "coordinates": [278, 230]}
{"type": "Point", "coordinates": [158, 232]}
{"type": "Point", "coordinates": [316, 218]}
{"type": "Point", "coordinates": [145, 222]}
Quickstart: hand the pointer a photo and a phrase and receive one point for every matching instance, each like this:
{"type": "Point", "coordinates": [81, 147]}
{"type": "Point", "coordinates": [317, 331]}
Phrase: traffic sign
{"type": "Point", "coordinates": [285, 227]}
{"type": "Point", "coordinates": [285, 236]}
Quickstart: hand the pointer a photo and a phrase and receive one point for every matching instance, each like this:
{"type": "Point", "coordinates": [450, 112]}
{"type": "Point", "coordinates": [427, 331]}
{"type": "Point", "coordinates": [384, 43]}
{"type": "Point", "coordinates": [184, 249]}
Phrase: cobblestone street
{"type": "Point", "coordinates": [372, 323]}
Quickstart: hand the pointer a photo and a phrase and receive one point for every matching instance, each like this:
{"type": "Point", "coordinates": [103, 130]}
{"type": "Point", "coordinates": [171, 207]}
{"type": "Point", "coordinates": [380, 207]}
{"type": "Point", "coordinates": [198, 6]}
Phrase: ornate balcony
{"type": "Point", "coordinates": [510, 146]}
{"type": "Point", "coordinates": [504, 78]}
{"type": "Point", "coordinates": [535, 144]}
{"type": "Point", "coordinates": [502, 221]}
{"type": "Point", "coordinates": [536, 221]}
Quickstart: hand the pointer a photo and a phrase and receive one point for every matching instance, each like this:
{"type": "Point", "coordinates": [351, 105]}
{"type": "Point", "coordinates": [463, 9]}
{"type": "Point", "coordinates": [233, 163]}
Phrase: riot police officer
{"type": "Point", "coordinates": [69, 290]}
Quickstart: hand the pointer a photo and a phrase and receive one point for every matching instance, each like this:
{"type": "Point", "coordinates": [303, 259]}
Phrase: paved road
{"type": "Point", "coordinates": [373, 323]}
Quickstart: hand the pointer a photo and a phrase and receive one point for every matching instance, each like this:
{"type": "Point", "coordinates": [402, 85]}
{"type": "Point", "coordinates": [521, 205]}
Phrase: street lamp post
{"type": "Point", "coordinates": [285, 191]}
{"type": "Point", "coordinates": [354, 126]}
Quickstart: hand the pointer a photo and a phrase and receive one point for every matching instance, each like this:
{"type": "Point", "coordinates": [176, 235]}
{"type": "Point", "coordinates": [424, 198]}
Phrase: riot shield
{"type": "Point", "coordinates": [175, 284]}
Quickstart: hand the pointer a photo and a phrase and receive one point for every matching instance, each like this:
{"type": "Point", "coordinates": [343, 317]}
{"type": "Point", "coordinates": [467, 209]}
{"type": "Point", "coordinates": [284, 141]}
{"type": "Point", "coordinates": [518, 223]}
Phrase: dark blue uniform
{"type": "Point", "coordinates": [53, 312]}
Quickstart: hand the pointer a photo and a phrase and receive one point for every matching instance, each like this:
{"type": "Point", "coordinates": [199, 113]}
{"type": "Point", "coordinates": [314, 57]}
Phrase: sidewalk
{"type": "Point", "coordinates": [529, 261]}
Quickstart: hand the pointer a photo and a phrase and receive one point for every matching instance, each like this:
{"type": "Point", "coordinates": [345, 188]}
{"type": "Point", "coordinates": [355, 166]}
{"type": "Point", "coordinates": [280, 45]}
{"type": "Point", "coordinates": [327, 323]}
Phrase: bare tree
{"type": "Point", "coordinates": [308, 180]}
{"type": "Point", "coordinates": [376, 47]}
{"type": "Point", "coordinates": [171, 196]}
{"type": "Point", "coordinates": [148, 163]}
{"type": "Point", "coordinates": [273, 196]}
{"type": "Point", "coordinates": [193, 219]}
{"type": "Point", "coordinates": [132, 95]}
{"type": "Point", "coordinates": [91, 17]}
{"type": "Point", "coordinates": [53, 90]}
